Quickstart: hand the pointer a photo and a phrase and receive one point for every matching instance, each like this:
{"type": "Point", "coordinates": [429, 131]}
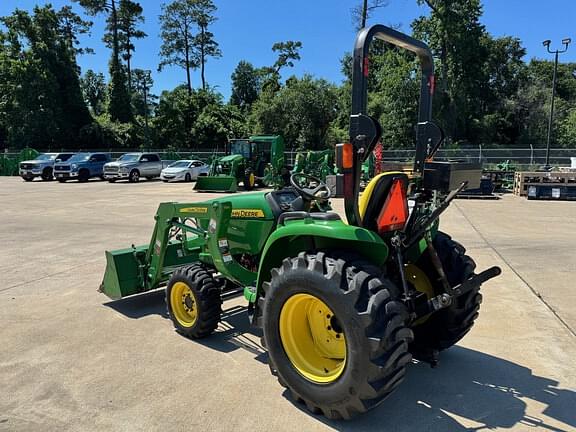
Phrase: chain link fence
{"type": "Point", "coordinates": [523, 158]}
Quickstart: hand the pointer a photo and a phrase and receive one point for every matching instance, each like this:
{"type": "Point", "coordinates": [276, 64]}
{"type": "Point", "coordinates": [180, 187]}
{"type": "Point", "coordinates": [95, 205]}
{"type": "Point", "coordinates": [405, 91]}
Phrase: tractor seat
{"type": "Point", "coordinates": [374, 196]}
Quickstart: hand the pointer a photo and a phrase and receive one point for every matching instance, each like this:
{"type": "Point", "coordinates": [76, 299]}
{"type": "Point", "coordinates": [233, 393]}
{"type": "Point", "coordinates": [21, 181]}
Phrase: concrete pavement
{"type": "Point", "coordinates": [70, 360]}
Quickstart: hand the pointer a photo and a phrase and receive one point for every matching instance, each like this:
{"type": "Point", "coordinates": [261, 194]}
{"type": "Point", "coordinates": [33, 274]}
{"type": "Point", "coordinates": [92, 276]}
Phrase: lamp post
{"type": "Point", "coordinates": [547, 43]}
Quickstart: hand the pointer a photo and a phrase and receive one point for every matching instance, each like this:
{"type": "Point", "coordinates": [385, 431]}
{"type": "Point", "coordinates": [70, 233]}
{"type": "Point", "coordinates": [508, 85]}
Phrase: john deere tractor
{"type": "Point", "coordinates": [257, 161]}
{"type": "Point", "coordinates": [343, 306]}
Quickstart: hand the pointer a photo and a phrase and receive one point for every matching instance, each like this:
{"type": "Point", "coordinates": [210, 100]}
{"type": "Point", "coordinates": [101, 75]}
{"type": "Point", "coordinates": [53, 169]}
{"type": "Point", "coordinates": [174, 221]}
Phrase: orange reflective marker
{"type": "Point", "coordinates": [395, 211]}
{"type": "Point", "coordinates": [347, 156]}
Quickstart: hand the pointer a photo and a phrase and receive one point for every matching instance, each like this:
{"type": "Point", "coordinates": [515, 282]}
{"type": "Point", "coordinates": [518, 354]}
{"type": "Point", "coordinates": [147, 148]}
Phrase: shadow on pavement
{"type": "Point", "coordinates": [234, 330]}
{"type": "Point", "coordinates": [486, 391]}
{"type": "Point", "coordinates": [139, 306]}
{"type": "Point", "coordinates": [483, 390]}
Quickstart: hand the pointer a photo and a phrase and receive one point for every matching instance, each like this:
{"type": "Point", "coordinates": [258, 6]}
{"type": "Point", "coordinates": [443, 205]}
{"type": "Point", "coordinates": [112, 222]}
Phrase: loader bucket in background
{"type": "Point", "coordinates": [222, 183]}
{"type": "Point", "coordinates": [122, 277]}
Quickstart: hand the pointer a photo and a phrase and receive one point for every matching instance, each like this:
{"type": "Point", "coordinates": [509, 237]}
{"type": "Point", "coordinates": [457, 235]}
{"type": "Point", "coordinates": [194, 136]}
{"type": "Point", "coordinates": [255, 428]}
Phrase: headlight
{"type": "Point", "coordinates": [123, 169]}
{"type": "Point", "coordinates": [74, 167]}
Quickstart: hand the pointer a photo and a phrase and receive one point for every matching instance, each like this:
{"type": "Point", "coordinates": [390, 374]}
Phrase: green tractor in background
{"type": "Point", "coordinates": [9, 165]}
{"type": "Point", "coordinates": [256, 161]}
{"type": "Point", "coordinates": [319, 164]}
{"type": "Point", "coordinates": [344, 306]}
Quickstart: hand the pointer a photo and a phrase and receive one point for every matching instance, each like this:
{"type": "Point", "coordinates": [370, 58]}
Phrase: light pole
{"type": "Point", "coordinates": [547, 43]}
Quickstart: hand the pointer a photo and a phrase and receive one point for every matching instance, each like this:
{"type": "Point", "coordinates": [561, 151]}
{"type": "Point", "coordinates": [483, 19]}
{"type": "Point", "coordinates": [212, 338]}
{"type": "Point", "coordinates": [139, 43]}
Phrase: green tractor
{"type": "Point", "coordinates": [344, 306]}
{"type": "Point", "coordinates": [316, 163]}
{"type": "Point", "coordinates": [257, 161]}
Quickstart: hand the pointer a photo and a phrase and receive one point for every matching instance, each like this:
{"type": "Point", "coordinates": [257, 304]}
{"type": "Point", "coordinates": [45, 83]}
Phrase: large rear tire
{"type": "Point", "coordinates": [194, 302]}
{"type": "Point", "coordinates": [335, 335]}
{"type": "Point", "coordinates": [446, 327]}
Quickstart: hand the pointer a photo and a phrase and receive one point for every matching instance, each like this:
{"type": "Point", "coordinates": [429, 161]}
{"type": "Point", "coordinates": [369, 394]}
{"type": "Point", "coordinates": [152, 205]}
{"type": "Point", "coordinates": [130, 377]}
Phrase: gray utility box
{"type": "Point", "coordinates": [336, 185]}
{"type": "Point", "coordinates": [448, 176]}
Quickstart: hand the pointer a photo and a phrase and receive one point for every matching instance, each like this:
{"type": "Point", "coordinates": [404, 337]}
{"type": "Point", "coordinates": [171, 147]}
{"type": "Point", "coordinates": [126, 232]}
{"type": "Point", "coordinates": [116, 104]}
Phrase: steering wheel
{"type": "Point", "coordinates": [306, 190]}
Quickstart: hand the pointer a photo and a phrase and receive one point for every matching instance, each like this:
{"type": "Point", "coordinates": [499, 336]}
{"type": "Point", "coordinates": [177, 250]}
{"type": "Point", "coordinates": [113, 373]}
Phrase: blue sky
{"type": "Point", "coordinates": [247, 29]}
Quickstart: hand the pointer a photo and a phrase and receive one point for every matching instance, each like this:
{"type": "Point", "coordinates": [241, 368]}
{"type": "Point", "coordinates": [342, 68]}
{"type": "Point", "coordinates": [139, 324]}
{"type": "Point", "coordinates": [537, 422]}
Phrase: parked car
{"type": "Point", "coordinates": [42, 166]}
{"type": "Point", "coordinates": [81, 166]}
{"type": "Point", "coordinates": [184, 170]}
{"type": "Point", "coordinates": [133, 166]}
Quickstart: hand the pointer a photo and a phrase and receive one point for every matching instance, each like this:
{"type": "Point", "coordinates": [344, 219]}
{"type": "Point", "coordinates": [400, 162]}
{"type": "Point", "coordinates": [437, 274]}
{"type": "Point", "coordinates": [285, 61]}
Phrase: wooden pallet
{"type": "Point", "coordinates": [523, 180]}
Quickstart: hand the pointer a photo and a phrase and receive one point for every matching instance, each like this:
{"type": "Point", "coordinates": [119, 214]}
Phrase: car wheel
{"type": "Point", "coordinates": [188, 178]}
{"type": "Point", "coordinates": [47, 174]}
{"type": "Point", "coordinates": [83, 176]}
{"type": "Point", "coordinates": [134, 176]}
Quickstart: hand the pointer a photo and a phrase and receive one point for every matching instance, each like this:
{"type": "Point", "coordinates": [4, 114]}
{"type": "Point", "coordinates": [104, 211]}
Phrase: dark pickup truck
{"type": "Point", "coordinates": [81, 167]}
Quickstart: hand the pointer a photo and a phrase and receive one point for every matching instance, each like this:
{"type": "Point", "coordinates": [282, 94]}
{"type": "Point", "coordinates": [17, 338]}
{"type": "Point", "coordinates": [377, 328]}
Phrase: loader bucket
{"type": "Point", "coordinates": [122, 277]}
{"type": "Point", "coordinates": [222, 183]}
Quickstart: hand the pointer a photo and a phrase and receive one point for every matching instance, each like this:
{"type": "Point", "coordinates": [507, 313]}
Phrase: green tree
{"type": "Point", "coordinates": [94, 90]}
{"type": "Point", "coordinates": [130, 15]}
{"type": "Point", "coordinates": [203, 43]}
{"type": "Point", "coordinates": [72, 25]}
{"type": "Point", "coordinates": [177, 32]}
{"type": "Point", "coordinates": [119, 106]}
{"type": "Point", "coordinates": [43, 105]}
{"type": "Point", "coordinates": [144, 102]}
{"type": "Point", "coordinates": [246, 85]}
{"type": "Point", "coordinates": [302, 111]}
{"type": "Point", "coordinates": [288, 53]}
{"type": "Point", "coordinates": [455, 34]}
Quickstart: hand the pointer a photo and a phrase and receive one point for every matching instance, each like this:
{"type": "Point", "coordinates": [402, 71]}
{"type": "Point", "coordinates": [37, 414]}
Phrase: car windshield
{"type": "Point", "coordinates": [46, 156]}
{"type": "Point", "coordinates": [79, 157]}
{"type": "Point", "coordinates": [179, 164]}
{"type": "Point", "coordinates": [129, 157]}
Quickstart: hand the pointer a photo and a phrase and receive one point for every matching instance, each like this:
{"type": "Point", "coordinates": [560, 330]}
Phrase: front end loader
{"type": "Point", "coordinates": [344, 306]}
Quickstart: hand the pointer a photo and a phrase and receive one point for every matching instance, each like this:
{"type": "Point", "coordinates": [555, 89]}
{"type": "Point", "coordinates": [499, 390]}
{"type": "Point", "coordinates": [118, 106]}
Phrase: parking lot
{"type": "Point", "coordinates": [72, 360]}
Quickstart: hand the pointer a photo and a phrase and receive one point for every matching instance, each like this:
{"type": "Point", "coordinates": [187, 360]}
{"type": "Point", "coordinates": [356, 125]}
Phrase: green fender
{"type": "Point", "coordinates": [310, 235]}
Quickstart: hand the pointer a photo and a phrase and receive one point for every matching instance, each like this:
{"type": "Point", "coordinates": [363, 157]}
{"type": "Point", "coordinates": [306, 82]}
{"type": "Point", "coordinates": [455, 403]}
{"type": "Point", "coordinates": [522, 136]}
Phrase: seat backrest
{"type": "Point", "coordinates": [374, 196]}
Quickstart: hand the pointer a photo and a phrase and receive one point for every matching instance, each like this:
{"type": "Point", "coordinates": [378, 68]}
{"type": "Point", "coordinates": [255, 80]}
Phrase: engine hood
{"type": "Point", "coordinates": [36, 162]}
{"type": "Point", "coordinates": [120, 164]}
{"type": "Point", "coordinates": [174, 170]}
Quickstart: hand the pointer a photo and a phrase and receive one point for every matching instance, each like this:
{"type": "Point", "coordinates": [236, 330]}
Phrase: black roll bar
{"type": "Point", "coordinates": [365, 131]}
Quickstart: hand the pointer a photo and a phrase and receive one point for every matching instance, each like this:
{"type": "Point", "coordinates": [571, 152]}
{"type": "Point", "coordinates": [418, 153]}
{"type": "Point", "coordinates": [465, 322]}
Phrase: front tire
{"type": "Point", "coordinates": [27, 179]}
{"type": "Point", "coordinates": [47, 174]}
{"type": "Point", "coordinates": [194, 302]}
{"type": "Point", "coordinates": [134, 176]}
{"type": "Point", "coordinates": [83, 176]}
{"type": "Point", "coordinates": [335, 335]}
{"type": "Point", "coordinates": [446, 327]}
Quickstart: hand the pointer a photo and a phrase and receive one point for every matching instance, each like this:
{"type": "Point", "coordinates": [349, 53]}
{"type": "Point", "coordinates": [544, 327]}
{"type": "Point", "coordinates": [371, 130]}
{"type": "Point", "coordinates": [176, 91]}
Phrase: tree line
{"type": "Point", "coordinates": [486, 93]}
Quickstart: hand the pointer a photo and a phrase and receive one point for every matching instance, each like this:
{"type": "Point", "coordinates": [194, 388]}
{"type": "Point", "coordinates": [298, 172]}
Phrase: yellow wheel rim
{"type": "Point", "coordinates": [184, 304]}
{"type": "Point", "coordinates": [252, 179]}
{"type": "Point", "coordinates": [420, 281]}
{"type": "Point", "coordinates": [312, 338]}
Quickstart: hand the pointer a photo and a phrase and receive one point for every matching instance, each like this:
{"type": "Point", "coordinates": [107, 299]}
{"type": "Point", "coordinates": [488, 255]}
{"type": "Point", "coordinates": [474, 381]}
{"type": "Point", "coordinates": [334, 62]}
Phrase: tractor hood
{"type": "Point", "coordinates": [231, 158]}
{"type": "Point", "coordinates": [247, 206]}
